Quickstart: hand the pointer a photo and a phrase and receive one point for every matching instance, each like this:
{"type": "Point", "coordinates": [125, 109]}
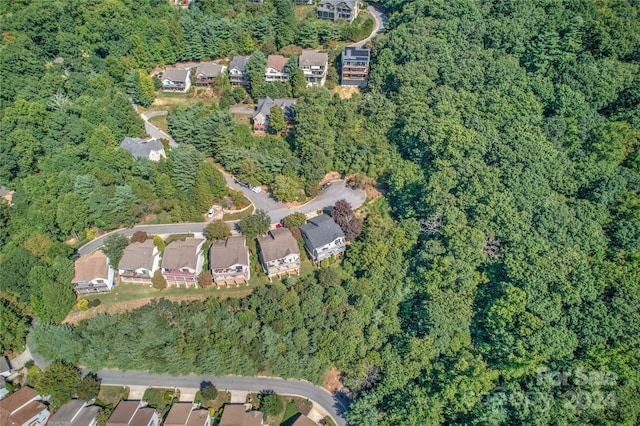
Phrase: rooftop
{"type": "Point", "coordinates": [123, 413]}
{"type": "Point", "coordinates": [90, 266]}
{"type": "Point", "coordinates": [182, 254]}
{"type": "Point", "coordinates": [175, 74]}
{"type": "Point", "coordinates": [229, 252]}
{"type": "Point", "coordinates": [142, 417]}
{"type": "Point", "coordinates": [210, 69]}
{"type": "Point", "coordinates": [74, 413]}
{"type": "Point", "coordinates": [238, 63]}
{"type": "Point", "coordinates": [137, 256]}
{"type": "Point", "coordinates": [277, 243]}
{"type": "Point", "coordinates": [321, 230]}
{"type": "Point", "coordinates": [17, 399]}
{"type": "Point", "coordinates": [277, 62]}
{"type": "Point", "coordinates": [353, 53]}
{"type": "Point", "coordinates": [237, 415]}
{"type": "Point", "coordinates": [141, 148]}
{"type": "Point", "coordinates": [265, 105]}
{"type": "Point", "coordinates": [313, 58]}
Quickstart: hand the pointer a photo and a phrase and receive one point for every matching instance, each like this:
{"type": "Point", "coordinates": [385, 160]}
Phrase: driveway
{"type": "Point", "coordinates": [241, 110]}
{"type": "Point", "coordinates": [153, 131]}
{"type": "Point", "coordinates": [378, 27]}
{"type": "Point", "coordinates": [321, 397]}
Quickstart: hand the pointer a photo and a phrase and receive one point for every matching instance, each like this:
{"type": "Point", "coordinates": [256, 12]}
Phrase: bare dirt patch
{"type": "Point", "coordinates": [345, 92]}
{"type": "Point", "coordinates": [331, 176]}
{"type": "Point", "coordinates": [333, 380]}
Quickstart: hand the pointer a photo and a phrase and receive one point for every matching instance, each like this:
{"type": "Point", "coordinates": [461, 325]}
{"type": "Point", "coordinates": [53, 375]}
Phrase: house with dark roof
{"type": "Point", "coordinates": [355, 66]}
{"type": "Point", "coordinates": [239, 415]}
{"type": "Point", "coordinates": [75, 413]}
{"type": "Point", "coordinates": [314, 65]}
{"type": "Point", "coordinates": [139, 262]}
{"type": "Point", "coordinates": [133, 413]}
{"type": "Point", "coordinates": [176, 79]}
{"type": "Point", "coordinates": [144, 148]}
{"type": "Point", "coordinates": [323, 238]}
{"type": "Point", "coordinates": [183, 414]}
{"type": "Point", "coordinates": [182, 262]}
{"type": "Point", "coordinates": [238, 71]}
{"type": "Point", "coordinates": [263, 110]}
{"type": "Point", "coordinates": [206, 72]}
{"type": "Point", "coordinates": [92, 274]}
{"type": "Point", "coordinates": [23, 408]}
{"type": "Point", "coordinates": [276, 70]}
{"type": "Point", "coordinates": [279, 253]}
{"type": "Point", "coordinates": [229, 261]}
{"type": "Point", "coordinates": [333, 10]}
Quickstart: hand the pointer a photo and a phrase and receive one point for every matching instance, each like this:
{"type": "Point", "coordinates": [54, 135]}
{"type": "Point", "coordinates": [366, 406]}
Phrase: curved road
{"type": "Point", "coordinates": [379, 19]}
{"type": "Point", "coordinates": [334, 407]}
{"type": "Point", "coordinates": [262, 201]}
{"type": "Point", "coordinates": [153, 131]}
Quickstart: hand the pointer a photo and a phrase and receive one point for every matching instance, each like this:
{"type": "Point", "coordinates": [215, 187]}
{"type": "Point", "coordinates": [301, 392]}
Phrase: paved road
{"type": "Point", "coordinates": [263, 201]}
{"type": "Point", "coordinates": [320, 396]}
{"type": "Point", "coordinates": [241, 110]}
{"type": "Point", "coordinates": [378, 28]}
{"type": "Point", "coordinates": [153, 131]}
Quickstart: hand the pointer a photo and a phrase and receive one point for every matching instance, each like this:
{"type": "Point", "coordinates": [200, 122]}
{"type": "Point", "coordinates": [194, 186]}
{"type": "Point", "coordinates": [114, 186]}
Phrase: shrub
{"type": "Point", "coordinates": [139, 237]}
{"type": "Point", "coordinates": [209, 392]}
{"type": "Point", "coordinates": [271, 404]}
{"type": "Point", "coordinates": [159, 243]}
{"type": "Point", "coordinates": [83, 304]}
{"type": "Point", "coordinates": [294, 220]}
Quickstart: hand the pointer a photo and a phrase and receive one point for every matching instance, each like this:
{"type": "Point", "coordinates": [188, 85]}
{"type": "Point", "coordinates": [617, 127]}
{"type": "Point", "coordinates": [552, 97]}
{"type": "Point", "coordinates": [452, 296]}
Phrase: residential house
{"type": "Point", "coordinates": [143, 148]}
{"type": "Point", "coordinates": [332, 10]}
{"type": "Point", "coordinates": [238, 71]}
{"type": "Point", "coordinates": [261, 114]}
{"type": "Point", "coordinates": [229, 261]}
{"type": "Point", "coordinates": [5, 367]}
{"type": "Point", "coordinates": [314, 66]}
{"type": "Point", "coordinates": [139, 262]}
{"type": "Point", "coordinates": [75, 413]}
{"type": "Point", "coordinates": [355, 66]}
{"type": "Point", "coordinates": [323, 238]}
{"type": "Point", "coordinates": [182, 262]}
{"type": "Point", "coordinates": [183, 414]}
{"type": "Point", "coordinates": [279, 253]}
{"type": "Point", "coordinates": [183, 3]}
{"type": "Point", "coordinates": [303, 420]}
{"type": "Point", "coordinates": [132, 413]}
{"type": "Point", "coordinates": [275, 69]}
{"type": "Point", "coordinates": [23, 408]}
{"type": "Point", "coordinates": [238, 415]}
{"type": "Point", "coordinates": [92, 274]}
{"type": "Point", "coordinates": [207, 72]}
{"type": "Point", "coordinates": [176, 79]}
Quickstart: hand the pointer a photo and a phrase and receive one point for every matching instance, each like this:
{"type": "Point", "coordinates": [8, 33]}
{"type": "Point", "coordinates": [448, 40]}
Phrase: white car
{"type": "Point", "coordinates": [210, 214]}
{"type": "Point", "coordinates": [255, 189]}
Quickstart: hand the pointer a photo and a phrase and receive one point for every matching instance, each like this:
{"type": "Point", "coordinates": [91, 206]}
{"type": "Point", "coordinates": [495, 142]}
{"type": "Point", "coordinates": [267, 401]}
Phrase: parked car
{"type": "Point", "coordinates": [326, 185]}
{"type": "Point", "coordinates": [210, 214]}
{"type": "Point", "coordinates": [255, 189]}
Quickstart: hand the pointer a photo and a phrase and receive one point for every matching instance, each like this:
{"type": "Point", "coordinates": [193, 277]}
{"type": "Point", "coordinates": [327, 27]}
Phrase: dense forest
{"type": "Point", "coordinates": [496, 282]}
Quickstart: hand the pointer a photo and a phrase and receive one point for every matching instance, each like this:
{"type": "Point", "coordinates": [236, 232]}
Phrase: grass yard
{"type": "Point", "coordinates": [216, 404]}
{"type": "Point", "coordinates": [111, 395]}
{"type": "Point", "coordinates": [160, 121]}
{"type": "Point", "coordinates": [292, 406]}
{"type": "Point", "coordinates": [239, 215]}
{"type": "Point", "coordinates": [160, 398]}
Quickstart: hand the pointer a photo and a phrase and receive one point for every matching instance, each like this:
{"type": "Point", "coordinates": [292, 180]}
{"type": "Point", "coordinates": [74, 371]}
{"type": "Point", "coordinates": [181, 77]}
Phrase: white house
{"type": "Point", "coordinates": [139, 262]}
{"type": "Point", "coordinates": [279, 253]}
{"type": "Point", "coordinates": [182, 262]}
{"type": "Point", "coordinates": [176, 79]}
{"type": "Point", "coordinates": [323, 238]}
{"type": "Point", "coordinates": [144, 148]}
{"type": "Point", "coordinates": [229, 261]}
{"type": "Point", "coordinates": [93, 274]}
{"type": "Point", "coordinates": [314, 66]}
{"type": "Point", "coordinates": [275, 69]}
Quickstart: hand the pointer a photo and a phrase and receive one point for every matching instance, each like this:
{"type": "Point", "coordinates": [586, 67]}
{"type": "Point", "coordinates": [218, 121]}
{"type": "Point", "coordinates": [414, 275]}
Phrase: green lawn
{"type": "Point", "coordinates": [160, 121]}
{"type": "Point", "coordinates": [159, 398]}
{"type": "Point", "coordinates": [216, 404]}
{"type": "Point", "coordinates": [111, 395]}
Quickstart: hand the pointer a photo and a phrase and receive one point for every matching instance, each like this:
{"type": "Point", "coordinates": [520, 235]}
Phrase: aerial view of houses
{"type": "Point", "coordinates": [238, 71]}
{"type": "Point", "coordinates": [92, 274]}
{"type": "Point", "coordinates": [206, 72]}
{"type": "Point", "coordinates": [314, 65]}
{"type": "Point", "coordinates": [133, 413]}
{"type": "Point", "coordinates": [150, 149]}
{"type": "Point", "coordinates": [323, 238]}
{"type": "Point", "coordinates": [279, 253]}
{"type": "Point", "coordinates": [75, 413]}
{"type": "Point", "coordinates": [263, 110]}
{"type": "Point", "coordinates": [176, 79]}
{"type": "Point", "coordinates": [276, 70]}
{"type": "Point", "coordinates": [182, 262]}
{"type": "Point", "coordinates": [333, 10]}
{"type": "Point", "coordinates": [229, 260]}
{"type": "Point", "coordinates": [355, 66]}
{"type": "Point", "coordinates": [139, 262]}
{"type": "Point", "coordinates": [23, 408]}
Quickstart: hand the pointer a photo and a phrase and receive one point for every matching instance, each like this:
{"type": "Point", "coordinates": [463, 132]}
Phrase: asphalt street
{"type": "Point", "coordinates": [320, 396]}
{"type": "Point", "coordinates": [153, 131]}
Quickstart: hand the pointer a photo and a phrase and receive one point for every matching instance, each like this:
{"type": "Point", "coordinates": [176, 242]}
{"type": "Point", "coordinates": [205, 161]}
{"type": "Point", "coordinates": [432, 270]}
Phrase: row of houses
{"type": "Point", "coordinates": [331, 10]}
{"type": "Point", "coordinates": [183, 261]}
{"type": "Point", "coordinates": [314, 65]}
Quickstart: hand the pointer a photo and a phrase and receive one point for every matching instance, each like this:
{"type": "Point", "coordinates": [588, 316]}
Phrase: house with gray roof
{"type": "Point", "coordinates": [333, 10]}
{"type": "Point", "coordinates": [75, 413]}
{"type": "Point", "coordinates": [262, 111]}
{"type": "Point", "coordinates": [279, 253]}
{"type": "Point", "coordinates": [139, 262]}
{"type": "Point", "coordinates": [229, 260]}
{"type": "Point", "coordinates": [182, 262]}
{"type": "Point", "coordinates": [176, 79]}
{"type": "Point", "coordinates": [183, 414]}
{"type": "Point", "coordinates": [238, 71]}
{"type": "Point", "coordinates": [314, 65]}
{"type": "Point", "coordinates": [133, 413]}
{"type": "Point", "coordinates": [143, 148]}
{"type": "Point", "coordinates": [206, 72]}
{"type": "Point", "coordinates": [355, 66]}
{"type": "Point", "coordinates": [323, 238]}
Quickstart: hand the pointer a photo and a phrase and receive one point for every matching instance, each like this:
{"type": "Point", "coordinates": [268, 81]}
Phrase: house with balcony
{"type": "Point", "coordinates": [92, 274]}
{"type": "Point", "coordinates": [151, 149]}
{"type": "Point", "coordinates": [314, 66]}
{"type": "Point", "coordinates": [206, 72]}
{"type": "Point", "coordinates": [238, 71]}
{"type": "Point", "coordinates": [333, 10]}
{"type": "Point", "coordinates": [323, 238]}
{"type": "Point", "coordinates": [262, 111]}
{"type": "Point", "coordinates": [275, 70]}
{"type": "Point", "coordinates": [355, 66]}
{"type": "Point", "coordinates": [133, 413]}
{"type": "Point", "coordinates": [182, 262]}
{"type": "Point", "coordinates": [24, 407]}
{"type": "Point", "coordinates": [229, 260]}
{"type": "Point", "coordinates": [176, 79]}
{"type": "Point", "coordinates": [75, 413]}
{"type": "Point", "coordinates": [279, 253]}
{"type": "Point", "coordinates": [139, 262]}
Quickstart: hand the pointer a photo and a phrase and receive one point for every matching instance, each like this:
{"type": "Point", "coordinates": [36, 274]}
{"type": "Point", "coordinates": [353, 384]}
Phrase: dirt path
{"type": "Point", "coordinates": [115, 308]}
